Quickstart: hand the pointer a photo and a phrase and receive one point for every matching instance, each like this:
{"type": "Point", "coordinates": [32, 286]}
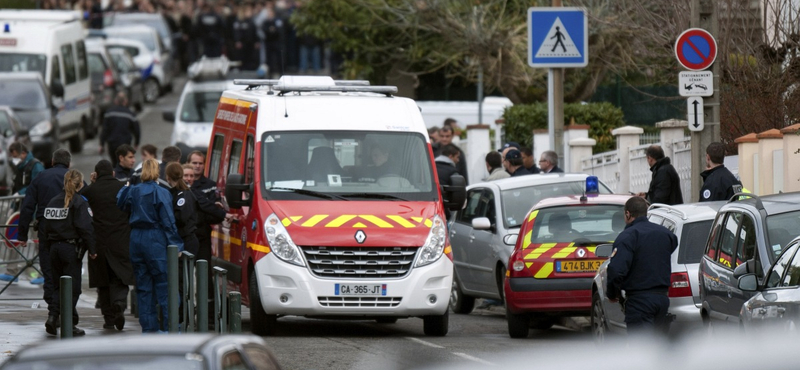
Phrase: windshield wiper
{"type": "Point", "coordinates": [373, 196]}
{"type": "Point", "coordinates": [311, 193]}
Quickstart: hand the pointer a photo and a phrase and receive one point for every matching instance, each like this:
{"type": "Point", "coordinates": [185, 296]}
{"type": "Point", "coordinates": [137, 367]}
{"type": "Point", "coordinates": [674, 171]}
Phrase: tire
{"type": "Point", "coordinates": [386, 320]}
{"type": "Point", "coordinates": [501, 285]}
{"type": "Point", "coordinates": [260, 323]}
{"type": "Point", "coordinates": [517, 325]}
{"type": "Point", "coordinates": [460, 303]}
{"type": "Point", "coordinates": [598, 320]}
{"type": "Point", "coordinates": [151, 90]}
{"type": "Point", "coordinates": [76, 142]}
{"type": "Point", "coordinates": [436, 325]}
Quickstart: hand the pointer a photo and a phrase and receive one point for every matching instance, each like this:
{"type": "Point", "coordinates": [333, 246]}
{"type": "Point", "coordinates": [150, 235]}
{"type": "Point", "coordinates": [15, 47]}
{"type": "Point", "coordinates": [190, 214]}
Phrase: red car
{"type": "Point", "coordinates": [551, 269]}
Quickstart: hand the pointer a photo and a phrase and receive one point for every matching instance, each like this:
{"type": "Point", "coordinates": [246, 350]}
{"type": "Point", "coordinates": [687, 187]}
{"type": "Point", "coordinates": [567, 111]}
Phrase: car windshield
{"type": "Point", "coordinates": [600, 223]}
{"type": "Point", "coordinates": [517, 202]}
{"type": "Point", "coordinates": [112, 362]}
{"type": "Point", "coordinates": [28, 94]}
{"type": "Point", "coordinates": [781, 229]}
{"type": "Point", "coordinates": [693, 241]}
{"type": "Point", "coordinates": [10, 62]}
{"type": "Point", "coordinates": [152, 22]}
{"type": "Point", "coordinates": [132, 50]}
{"type": "Point", "coordinates": [200, 106]}
{"type": "Point", "coordinates": [145, 37]}
{"type": "Point", "coordinates": [352, 165]}
{"type": "Point", "coordinates": [122, 63]}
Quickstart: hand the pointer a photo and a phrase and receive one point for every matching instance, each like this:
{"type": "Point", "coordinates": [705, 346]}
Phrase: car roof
{"type": "Point", "coordinates": [127, 42]}
{"type": "Point", "coordinates": [576, 200]}
{"type": "Point", "coordinates": [21, 76]}
{"type": "Point", "coordinates": [772, 204]}
{"type": "Point", "coordinates": [532, 180]}
{"type": "Point", "coordinates": [688, 212]}
{"type": "Point", "coordinates": [130, 29]}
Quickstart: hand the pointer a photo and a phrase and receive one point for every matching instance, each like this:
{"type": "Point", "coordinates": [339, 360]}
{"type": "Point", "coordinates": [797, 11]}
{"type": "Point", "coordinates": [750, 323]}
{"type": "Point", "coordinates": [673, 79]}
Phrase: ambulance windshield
{"type": "Point", "coordinates": [352, 165]}
{"type": "Point", "coordinates": [10, 62]}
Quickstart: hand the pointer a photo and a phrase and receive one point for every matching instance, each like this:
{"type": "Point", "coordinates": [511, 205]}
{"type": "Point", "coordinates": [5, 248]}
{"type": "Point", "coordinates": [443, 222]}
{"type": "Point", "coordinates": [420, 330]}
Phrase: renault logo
{"type": "Point", "coordinates": [361, 236]}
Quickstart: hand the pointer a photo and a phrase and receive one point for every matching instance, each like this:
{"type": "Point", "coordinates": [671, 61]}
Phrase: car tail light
{"type": "Point", "coordinates": [108, 78]}
{"type": "Point", "coordinates": [517, 267]}
{"type": "Point", "coordinates": [679, 285]}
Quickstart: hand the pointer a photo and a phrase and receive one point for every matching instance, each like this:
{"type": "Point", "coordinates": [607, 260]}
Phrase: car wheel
{"type": "Point", "coordinates": [598, 320]}
{"type": "Point", "coordinates": [260, 322]}
{"type": "Point", "coordinates": [517, 325]}
{"type": "Point", "coordinates": [386, 320]}
{"type": "Point", "coordinates": [76, 142]}
{"type": "Point", "coordinates": [436, 325]}
{"type": "Point", "coordinates": [151, 90]}
{"type": "Point", "coordinates": [459, 302]}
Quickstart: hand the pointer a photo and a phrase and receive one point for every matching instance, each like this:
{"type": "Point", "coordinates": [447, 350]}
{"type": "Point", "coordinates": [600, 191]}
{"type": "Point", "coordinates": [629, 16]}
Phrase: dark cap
{"type": "Point", "coordinates": [508, 145]}
{"type": "Point", "coordinates": [513, 154]}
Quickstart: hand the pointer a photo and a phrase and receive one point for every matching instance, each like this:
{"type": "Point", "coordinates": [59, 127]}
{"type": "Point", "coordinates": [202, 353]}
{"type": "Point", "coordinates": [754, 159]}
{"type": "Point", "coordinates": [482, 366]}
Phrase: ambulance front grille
{"type": "Point", "coordinates": [360, 262]}
{"type": "Point", "coordinates": [333, 301]}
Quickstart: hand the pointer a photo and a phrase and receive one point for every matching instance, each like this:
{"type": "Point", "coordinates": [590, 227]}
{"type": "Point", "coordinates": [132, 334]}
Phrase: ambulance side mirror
{"type": "Point", "coordinates": [455, 195]}
{"type": "Point", "coordinates": [234, 188]}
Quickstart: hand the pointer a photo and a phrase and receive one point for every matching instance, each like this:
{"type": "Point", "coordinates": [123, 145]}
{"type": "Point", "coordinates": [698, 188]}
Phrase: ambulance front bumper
{"type": "Point", "coordinates": [287, 289]}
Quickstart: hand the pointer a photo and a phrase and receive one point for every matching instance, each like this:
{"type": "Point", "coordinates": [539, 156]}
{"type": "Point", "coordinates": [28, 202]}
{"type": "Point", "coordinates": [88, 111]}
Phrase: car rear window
{"type": "Point", "coordinates": [517, 202]}
{"type": "Point", "coordinates": [693, 241]}
{"type": "Point", "coordinates": [599, 223]}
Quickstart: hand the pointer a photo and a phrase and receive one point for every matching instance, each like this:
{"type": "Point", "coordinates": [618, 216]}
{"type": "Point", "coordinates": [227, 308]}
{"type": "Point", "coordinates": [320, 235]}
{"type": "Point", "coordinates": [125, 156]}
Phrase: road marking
{"type": "Point", "coordinates": [420, 341]}
{"type": "Point", "coordinates": [473, 358]}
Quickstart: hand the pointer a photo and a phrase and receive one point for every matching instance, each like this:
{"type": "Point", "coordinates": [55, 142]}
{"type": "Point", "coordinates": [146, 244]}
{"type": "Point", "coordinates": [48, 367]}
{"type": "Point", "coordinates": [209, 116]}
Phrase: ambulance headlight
{"type": "Point", "coordinates": [433, 248]}
{"type": "Point", "coordinates": [41, 128]}
{"type": "Point", "coordinates": [280, 242]}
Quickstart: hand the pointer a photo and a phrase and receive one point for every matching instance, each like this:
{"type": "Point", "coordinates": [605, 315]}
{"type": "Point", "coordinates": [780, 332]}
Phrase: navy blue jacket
{"type": "Point", "coordinates": [120, 127]}
{"type": "Point", "coordinates": [42, 189]}
{"type": "Point", "coordinates": [719, 184]}
{"type": "Point", "coordinates": [642, 258]}
{"type": "Point", "coordinates": [205, 191]}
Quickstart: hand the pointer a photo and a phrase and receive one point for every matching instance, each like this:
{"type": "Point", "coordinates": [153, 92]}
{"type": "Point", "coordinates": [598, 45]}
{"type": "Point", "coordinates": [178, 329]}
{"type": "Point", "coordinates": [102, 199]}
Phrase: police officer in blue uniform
{"type": "Point", "coordinates": [640, 265]}
{"type": "Point", "coordinates": [718, 182]}
{"type": "Point", "coordinates": [68, 224]}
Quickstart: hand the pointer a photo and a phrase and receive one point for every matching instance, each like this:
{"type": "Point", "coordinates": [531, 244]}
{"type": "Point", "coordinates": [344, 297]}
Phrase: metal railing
{"type": "Point", "coordinates": [15, 259]}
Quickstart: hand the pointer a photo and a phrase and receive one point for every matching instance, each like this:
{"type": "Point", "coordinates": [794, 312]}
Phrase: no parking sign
{"type": "Point", "coordinates": [696, 49]}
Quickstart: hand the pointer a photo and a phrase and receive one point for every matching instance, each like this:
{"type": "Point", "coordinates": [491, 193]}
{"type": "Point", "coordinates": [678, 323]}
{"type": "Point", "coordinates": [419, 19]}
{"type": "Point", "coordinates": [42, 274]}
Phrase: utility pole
{"type": "Point", "coordinates": [555, 104]}
{"type": "Point", "coordinates": [704, 15]}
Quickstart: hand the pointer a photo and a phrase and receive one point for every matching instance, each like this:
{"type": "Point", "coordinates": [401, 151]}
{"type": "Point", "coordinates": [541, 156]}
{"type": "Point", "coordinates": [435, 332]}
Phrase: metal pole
{"type": "Point", "coordinates": [220, 299]}
{"type": "Point", "coordinates": [480, 94]}
{"type": "Point", "coordinates": [188, 291]}
{"type": "Point", "coordinates": [557, 107]}
{"type": "Point", "coordinates": [173, 294]}
{"type": "Point", "coordinates": [235, 302]}
{"type": "Point", "coordinates": [66, 306]}
{"type": "Point", "coordinates": [202, 296]}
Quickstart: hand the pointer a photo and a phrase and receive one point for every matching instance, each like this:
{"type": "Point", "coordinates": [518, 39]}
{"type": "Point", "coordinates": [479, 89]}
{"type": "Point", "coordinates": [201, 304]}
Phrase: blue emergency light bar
{"type": "Point", "coordinates": [592, 186]}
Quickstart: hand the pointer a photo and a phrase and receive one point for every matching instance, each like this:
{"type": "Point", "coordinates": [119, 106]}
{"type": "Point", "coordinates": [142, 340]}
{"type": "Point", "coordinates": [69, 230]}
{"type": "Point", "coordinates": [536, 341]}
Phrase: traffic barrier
{"type": "Point", "coordinates": [187, 265]}
{"type": "Point", "coordinates": [202, 295]}
{"type": "Point", "coordinates": [173, 296]}
{"type": "Point", "coordinates": [15, 259]}
{"type": "Point", "coordinates": [235, 311]}
{"type": "Point", "coordinates": [65, 297]}
{"type": "Point", "coordinates": [220, 300]}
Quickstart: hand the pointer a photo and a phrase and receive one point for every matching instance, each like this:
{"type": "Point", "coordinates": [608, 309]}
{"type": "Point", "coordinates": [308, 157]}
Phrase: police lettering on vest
{"type": "Point", "coordinates": [56, 213]}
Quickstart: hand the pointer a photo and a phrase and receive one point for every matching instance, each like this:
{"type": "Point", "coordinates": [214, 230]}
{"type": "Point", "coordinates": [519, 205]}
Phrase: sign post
{"type": "Point", "coordinates": [557, 38]}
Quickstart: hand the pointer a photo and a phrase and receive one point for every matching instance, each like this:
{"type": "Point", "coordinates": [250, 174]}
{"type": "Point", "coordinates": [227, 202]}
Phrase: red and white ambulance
{"type": "Point", "coordinates": [339, 212]}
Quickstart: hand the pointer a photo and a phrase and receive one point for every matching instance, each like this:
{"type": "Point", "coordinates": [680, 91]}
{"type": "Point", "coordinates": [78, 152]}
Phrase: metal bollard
{"type": "Point", "coordinates": [173, 296]}
{"type": "Point", "coordinates": [220, 299]}
{"type": "Point", "coordinates": [66, 306]}
{"type": "Point", "coordinates": [188, 291]}
{"type": "Point", "coordinates": [235, 303]}
{"type": "Point", "coordinates": [202, 296]}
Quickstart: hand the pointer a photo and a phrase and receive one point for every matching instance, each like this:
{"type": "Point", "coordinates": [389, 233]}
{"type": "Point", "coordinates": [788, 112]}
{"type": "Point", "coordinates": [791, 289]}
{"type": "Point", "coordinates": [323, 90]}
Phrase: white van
{"type": "Point", "coordinates": [51, 42]}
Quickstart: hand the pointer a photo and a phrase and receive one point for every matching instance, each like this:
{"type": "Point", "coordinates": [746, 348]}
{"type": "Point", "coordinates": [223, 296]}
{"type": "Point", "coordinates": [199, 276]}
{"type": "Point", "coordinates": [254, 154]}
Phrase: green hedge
{"type": "Point", "coordinates": [521, 120]}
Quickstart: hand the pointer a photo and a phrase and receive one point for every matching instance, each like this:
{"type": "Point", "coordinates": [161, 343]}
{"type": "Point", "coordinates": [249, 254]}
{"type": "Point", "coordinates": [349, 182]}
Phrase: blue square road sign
{"type": "Point", "coordinates": [557, 37]}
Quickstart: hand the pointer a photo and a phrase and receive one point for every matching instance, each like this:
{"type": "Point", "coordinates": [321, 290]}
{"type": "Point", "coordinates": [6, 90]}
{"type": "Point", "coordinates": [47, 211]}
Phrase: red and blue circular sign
{"type": "Point", "coordinates": [696, 49]}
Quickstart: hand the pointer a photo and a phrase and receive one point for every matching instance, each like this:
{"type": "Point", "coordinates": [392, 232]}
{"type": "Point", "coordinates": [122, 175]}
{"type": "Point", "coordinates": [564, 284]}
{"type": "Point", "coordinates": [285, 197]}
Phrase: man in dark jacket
{"type": "Point", "coordinates": [549, 162]}
{"type": "Point", "coordinates": [718, 182]}
{"type": "Point", "coordinates": [446, 138]}
{"type": "Point", "coordinates": [665, 185]}
{"type": "Point", "coordinates": [25, 166]}
{"type": "Point", "coordinates": [446, 162]}
{"type": "Point", "coordinates": [119, 127]}
{"type": "Point", "coordinates": [111, 272]}
{"type": "Point", "coordinates": [126, 159]}
{"type": "Point", "coordinates": [513, 163]}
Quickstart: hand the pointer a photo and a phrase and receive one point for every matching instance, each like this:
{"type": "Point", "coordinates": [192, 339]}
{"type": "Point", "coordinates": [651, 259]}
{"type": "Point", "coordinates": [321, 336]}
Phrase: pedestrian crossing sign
{"type": "Point", "coordinates": [557, 37]}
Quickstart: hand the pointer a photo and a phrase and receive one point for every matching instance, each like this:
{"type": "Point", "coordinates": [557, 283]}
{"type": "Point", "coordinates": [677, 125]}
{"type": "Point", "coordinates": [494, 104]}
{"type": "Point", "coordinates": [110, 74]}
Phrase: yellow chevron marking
{"type": "Point", "coordinates": [417, 219]}
{"type": "Point", "coordinates": [428, 222]}
{"type": "Point", "coordinates": [526, 242]}
{"type": "Point", "coordinates": [258, 247]}
{"type": "Point", "coordinates": [314, 220]}
{"type": "Point", "coordinates": [528, 264]}
{"type": "Point", "coordinates": [447, 249]}
{"type": "Point", "coordinates": [239, 103]}
{"type": "Point", "coordinates": [376, 220]}
{"type": "Point", "coordinates": [545, 271]}
{"type": "Point", "coordinates": [227, 101]}
{"type": "Point", "coordinates": [359, 225]}
{"type": "Point", "coordinates": [339, 221]}
{"type": "Point", "coordinates": [286, 222]}
{"type": "Point", "coordinates": [533, 215]}
{"type": "Point", "coordinates": [296, 218]}
{"type": "Point", "coordinates": [565, 251]}
{"type": "Point", "coordinates": [402, 221]}
{"type": "Point", "coordinates": [591, 249]}
{"type": "Point", "coordinates": [536, 253]}
{"type": "Point", "coordinates": [225, 238]}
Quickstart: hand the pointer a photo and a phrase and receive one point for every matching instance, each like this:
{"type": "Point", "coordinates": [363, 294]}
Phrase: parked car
{"type": "Point", "coordinates": [554, 262]}
{"type": "Point", "coordinates": [152, 72]}
{"type": "Point", "coordinates": [691, 223]}
{"type": "Point", "coordinates": [495, 209]}
{"type": "Point", "coordinates": [131, 77]}
{"type": "Point", "coordinates": [162, 62]}
{"type": "Point", "coordinates": [775, 305]}
{"type": "Point", "coordinates": [186, 351]}
{"type": "Point", "coordinates": [155, 21]}
{"type": "Point", "coordinates": [747, 237]}
{"type": "Point", "coordinates": [33, 105]}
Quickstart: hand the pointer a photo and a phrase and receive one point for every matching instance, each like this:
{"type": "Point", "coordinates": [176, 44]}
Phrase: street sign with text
{"type": "Point", "coordinates": [696, 83]}
{"type": "Point", "coordinates": [694, 106]}
{"type": "Point", "coordinates": [557, 37]}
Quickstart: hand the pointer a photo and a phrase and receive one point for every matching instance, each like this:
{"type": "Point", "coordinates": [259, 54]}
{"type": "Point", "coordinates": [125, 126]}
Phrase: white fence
{"type": "Point", "coordinates": [605, 166]}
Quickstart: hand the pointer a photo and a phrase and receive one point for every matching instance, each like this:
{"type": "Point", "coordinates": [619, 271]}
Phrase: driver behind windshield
{"type": "Point", "coordinates": [382, 164]}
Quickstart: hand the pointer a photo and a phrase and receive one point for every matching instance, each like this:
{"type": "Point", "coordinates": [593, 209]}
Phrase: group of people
{"type": "Point", "coordinates": [124, 220]}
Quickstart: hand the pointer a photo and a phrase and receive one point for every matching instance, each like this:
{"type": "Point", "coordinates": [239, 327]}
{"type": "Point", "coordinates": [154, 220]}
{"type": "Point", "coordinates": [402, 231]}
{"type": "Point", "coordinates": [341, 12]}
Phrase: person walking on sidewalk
{"type": "Point", "coordinates": [68, 224]}
{"type": "Point", "coordinates": [120, 126]}
{"type": "Point", "coordinates": [111, 272]}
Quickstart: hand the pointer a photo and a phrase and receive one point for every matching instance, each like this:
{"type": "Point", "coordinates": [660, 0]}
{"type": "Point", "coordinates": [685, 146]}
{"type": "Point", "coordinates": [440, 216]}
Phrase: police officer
{"type": "Point", "coordinates": [120, 126]}
{"type": "Point", "coordinates": [42, 189]}
{"type": "Point", "coordinates": [718, 182]}
{"type": "Point", "coordinates": [184, 206]}
{"type": "Point", "coordinates": [126, 158]}
{"type": "Point", "coordinates": [68, 223]}
{"type": "Point", "coordinates": [640, 265]}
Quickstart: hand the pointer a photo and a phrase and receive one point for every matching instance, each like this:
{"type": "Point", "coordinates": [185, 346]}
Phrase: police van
{"type": "Point", "coordinates": [338, 210]}
{"type": "Point", "coordinates": [51, 42]}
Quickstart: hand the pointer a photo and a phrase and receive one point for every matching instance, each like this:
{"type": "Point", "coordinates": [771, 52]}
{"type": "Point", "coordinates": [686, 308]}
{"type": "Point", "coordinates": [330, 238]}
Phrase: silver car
{"type": "Point", "coordinates": [691, 223]}
{"type": "Point", "coordinates": [494, 210]}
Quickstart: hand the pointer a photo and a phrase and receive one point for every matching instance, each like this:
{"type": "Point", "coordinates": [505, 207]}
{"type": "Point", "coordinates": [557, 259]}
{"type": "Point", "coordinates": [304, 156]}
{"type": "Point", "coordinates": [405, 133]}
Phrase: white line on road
{"type": "Point", "coordinates": [473, 358]}
{"type": "Point", "coordinates": [420, 341]}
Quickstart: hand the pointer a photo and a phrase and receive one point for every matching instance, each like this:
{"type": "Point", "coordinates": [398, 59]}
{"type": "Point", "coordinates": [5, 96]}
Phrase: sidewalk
{"type": "Point", "coordinates": [23, 312]}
